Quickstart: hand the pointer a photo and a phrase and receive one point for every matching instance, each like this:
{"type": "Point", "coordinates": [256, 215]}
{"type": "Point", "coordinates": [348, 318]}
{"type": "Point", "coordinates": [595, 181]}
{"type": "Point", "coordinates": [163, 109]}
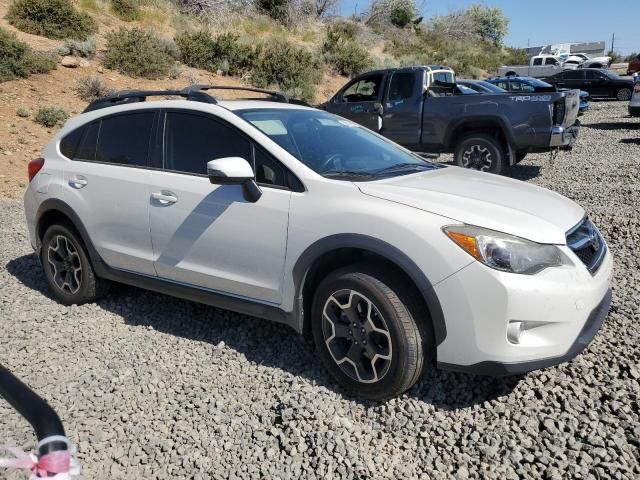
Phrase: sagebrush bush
{"type": "Point", "coordinates": [51, 116]}
{"type": "Point", "coordinates": [224, 52]}
{"type": "Point", "coordinates": [17, 60]}
{"type": "Point", "coordinates": [79, 48]}
{"type": "Point", "coordinates": [276, 9]}
{"type": "Point", "coordinates": [138, 53]}
{"type": "Point", "coordinates": [341, 51]}
{"type": "Point", "coordinates": [22, 111]}
{"type": "Point", "coordinates": [127, 10]}
{"type": "Point", "coordinates": [51, 18]}
{"type": "Point", "coordinates": [402, 12]}
{"type": "Point", "coordinates": [294, 70]}
{"type": "Point", "coordinates": [91, 88]}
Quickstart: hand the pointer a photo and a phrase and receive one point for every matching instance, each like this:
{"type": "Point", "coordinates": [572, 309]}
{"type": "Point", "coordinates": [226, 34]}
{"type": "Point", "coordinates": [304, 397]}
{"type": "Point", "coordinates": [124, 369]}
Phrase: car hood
{"type": "Point", "coordinates": [484, 200]}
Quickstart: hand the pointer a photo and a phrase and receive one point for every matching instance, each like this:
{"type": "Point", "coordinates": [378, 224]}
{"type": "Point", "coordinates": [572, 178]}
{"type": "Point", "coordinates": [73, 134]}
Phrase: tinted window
{"type": "Point", "coordinates": [445, 77]}
{"type": "Point", "coordinates": [268, 170]}
{"type": "Point", "coordinates": [537, 61]}
{"type": "Point", "coordinates": [572, 75]}
{"type": "Point", "coordinates": [550, 61]}
{"type": "Point", "coordinates": [503, 84]}
{"type": "Point", "coordinates": [366, 89]}
{"type": "Point", "coordinates": [193, 140]}
{"type": "Point", "coordinates": [401, 86]}
{"type": "Point", "coordinates": [87, 148]}
{"type": "Point", "coordinates": [521, 87]}
{"type": "Point", "coordinates": [69, 143]}
{"type": "Point", "coordinates": [593, 75]}
{"type": "Point", "coordinates": [124, 139]}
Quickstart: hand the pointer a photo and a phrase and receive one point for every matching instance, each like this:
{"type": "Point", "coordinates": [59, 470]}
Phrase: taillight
{"type": "Point", "coordinates": [34, 167]}
{"type": "Point", "coordinates": [558, 112]}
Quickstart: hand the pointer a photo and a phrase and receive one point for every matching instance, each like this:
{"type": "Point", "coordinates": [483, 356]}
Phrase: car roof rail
{"type": "Point", "coordinates": [277, 96]}
{"type": "Point", "coordinates": [133, 96]}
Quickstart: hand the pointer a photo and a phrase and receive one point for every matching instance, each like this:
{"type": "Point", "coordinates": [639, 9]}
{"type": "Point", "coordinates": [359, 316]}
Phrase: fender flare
{"type": "Point", "coordinates": [495, 119]}
{"type": "Point", "coordinates": [393, 254]}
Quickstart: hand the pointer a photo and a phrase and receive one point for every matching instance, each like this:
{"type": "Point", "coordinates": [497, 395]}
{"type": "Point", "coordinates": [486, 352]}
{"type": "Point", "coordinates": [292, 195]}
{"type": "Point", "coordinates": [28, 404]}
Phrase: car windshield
{"type": "Point", "coordinates": [333, 146]}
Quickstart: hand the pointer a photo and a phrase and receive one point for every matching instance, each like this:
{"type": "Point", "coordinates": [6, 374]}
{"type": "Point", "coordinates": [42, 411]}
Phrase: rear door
{"type": "Point", "coordinates": [208, 235]}
{"type": "Point", "coordinates": [598, 84]}
{"type": "Point", "coordinates": [361, 101]}
{"type": "Point", "coordinates": [401, 121]}
{"type": "Point", "coordinates": [106, 185]}
{"type": "Point", "coordinates": [570, 79]}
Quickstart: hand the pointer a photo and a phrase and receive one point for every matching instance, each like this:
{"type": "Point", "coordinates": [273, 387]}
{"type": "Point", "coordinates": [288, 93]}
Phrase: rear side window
{"type": "Point", "coordinates": [193, 140]}
{"type": "Point", "coordinates": [124, 139]}
{"type": "Point", "coordinates": [401, 86]}
{"type": "Point", "coordinates": [87, 148]}
{"type": "Point", "coordinates": [69, 143]}
{"type": "Point", "coordinates": [537, 61]}
{"type": "Point", "coordinates": [573, 74]}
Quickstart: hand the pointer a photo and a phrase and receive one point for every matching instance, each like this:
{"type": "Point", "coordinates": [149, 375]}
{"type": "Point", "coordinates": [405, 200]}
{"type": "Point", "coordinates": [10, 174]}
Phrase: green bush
{"type": "Point", "coordinates": [138, 53]}
{"type": "Point", "coordinates": [90, 88]}
{"type": "Point", "coordinates": [341, 51]}
{"type": "Point", "coordinates": [127, 10]}
{"type": "Point", "coordinates": [51, 116]}
{"type": "Point", "coordinates": [293, 69]}
{"type": "Point", "coordinates": [51, 18]}
{"type": "Point", "coordinates": [276, 9]}
{"type": "Point", "coordinates": [402, 13]}
{"type": "Point", "coordinates": [223, 52]}
{"type": "Point", "coordinates": [22, 111]}
{"type": "Point", "coordinates": [17, 60]}
{"type": "Point", "coordinates": [79, 48]}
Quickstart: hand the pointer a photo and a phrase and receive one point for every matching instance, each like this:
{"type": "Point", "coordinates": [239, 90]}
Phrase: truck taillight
{"type": "Point", "coordinates": [558, 112]}
{"type": "Point", "coordinates": [34, 167]}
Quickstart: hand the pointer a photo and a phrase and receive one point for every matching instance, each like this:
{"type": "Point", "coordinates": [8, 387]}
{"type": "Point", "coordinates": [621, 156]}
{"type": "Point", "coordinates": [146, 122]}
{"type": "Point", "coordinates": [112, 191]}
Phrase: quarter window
{"type": "Point", "coordinates": [401, 86]}
{"type": "Point", "coordinates": [124, 139]}
{"type": "Point", "coordinates": [193, 140]}
{"type": "Point", "coordinates": [69, 143]}
{"type": "Point", "coordinates": [87, 148]}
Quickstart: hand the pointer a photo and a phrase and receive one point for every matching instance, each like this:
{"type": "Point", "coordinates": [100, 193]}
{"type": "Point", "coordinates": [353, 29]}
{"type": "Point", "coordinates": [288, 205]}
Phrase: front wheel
{"type": "Point", "coordinates": [368, 333]}
{"type": "Point", "coordinates": [479, 151]}
{"type": "Point", "coordinates": [624, 94]}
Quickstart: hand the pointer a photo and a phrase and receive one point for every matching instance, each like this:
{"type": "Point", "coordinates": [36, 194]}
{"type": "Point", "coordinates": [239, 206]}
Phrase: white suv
{"type": "Point", "coordinates": [292, 214]}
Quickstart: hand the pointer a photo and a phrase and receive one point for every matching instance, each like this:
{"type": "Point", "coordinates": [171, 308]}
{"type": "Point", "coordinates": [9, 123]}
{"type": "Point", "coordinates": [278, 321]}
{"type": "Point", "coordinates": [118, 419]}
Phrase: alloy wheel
{"type": "Point", "coordinates": [357, 336]}
{"type": "Point", "coordinates": [63, 257]}
{"type": "Point", "coordinates": [477, 157]}
{"type": "Point", "coordinates": [624, 94]}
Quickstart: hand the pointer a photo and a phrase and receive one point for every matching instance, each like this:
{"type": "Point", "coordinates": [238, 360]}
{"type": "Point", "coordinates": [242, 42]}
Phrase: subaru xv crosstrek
{"type": "Point", "coordinates": [390, 262]}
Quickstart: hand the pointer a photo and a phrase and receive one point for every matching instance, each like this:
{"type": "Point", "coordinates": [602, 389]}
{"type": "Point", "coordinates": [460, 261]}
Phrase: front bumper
{"type": "Point", "coordinates": [564, 137]}
{"type": "Point", "coordinates": [562, 309]}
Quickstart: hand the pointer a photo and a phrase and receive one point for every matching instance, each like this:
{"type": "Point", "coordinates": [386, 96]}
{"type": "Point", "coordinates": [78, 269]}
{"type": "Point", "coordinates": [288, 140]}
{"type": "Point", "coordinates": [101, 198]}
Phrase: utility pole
{"type": "Point", "coordinates": [613, 41]}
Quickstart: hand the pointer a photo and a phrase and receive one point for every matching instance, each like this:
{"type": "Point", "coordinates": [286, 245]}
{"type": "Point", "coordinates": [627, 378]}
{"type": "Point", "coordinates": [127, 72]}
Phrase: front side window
{"type": "Point", "coordinates": [191, 141]}
{"type": "Point", "coordinates": [333, 146]}
{"type": "Point", "coordinates": [537, 61]}
{"type": "Point", "coordinates": [551, 61]}
{"type": "Point", "coordinates": [364, 90]}
{"type": "Point", "coordinates": [124, 139]}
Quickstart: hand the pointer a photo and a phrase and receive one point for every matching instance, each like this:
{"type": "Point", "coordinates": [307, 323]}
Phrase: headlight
{"type": "Point", "coordinates": [506, 252]}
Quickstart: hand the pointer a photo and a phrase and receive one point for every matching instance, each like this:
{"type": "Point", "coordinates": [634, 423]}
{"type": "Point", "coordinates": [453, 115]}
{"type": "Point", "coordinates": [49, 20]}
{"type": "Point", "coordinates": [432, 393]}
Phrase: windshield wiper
{"type": "Point", "coordinates": [347, 174]}
{"type": "Point", "coordinates": [404, 166]}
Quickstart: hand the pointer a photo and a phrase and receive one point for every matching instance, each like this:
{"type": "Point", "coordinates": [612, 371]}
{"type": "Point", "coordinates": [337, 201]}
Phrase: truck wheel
{"type": "Point", "coordinates": [479, 151]}
{"type": "Point", "coordinates": [367, 331]}
{"type": "Point", "coordinates": [624, 94]}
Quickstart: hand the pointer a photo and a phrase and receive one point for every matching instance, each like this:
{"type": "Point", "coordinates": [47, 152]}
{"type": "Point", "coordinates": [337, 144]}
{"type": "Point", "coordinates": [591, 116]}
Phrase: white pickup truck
{"type": "Point", "coordinates": [540, 66]}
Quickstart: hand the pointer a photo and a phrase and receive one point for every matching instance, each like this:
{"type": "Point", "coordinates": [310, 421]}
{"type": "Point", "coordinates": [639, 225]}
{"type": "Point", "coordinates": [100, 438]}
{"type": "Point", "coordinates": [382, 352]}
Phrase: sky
{"type": "Point", "coordinates": [543, 22]}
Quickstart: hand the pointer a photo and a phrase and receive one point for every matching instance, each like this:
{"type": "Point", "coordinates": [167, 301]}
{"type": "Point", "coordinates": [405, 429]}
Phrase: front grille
{"type": "Point", "coordinates": [588, 244]}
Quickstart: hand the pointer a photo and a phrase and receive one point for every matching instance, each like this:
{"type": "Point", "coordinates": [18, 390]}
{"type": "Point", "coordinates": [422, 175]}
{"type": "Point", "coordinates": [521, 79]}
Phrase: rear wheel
{"type": "Point", "coordinates": [624, 94]}
{"type": "Point", "coordinates": [367, 332]}
{"type": "Point", "coordinates": [479, 151]}
{"type": "Point", "coordinates": [67, 267]}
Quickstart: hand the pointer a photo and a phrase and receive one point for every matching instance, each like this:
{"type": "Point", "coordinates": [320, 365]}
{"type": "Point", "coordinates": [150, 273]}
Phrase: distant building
{"type": "Point", "coordinates": [595, 49]}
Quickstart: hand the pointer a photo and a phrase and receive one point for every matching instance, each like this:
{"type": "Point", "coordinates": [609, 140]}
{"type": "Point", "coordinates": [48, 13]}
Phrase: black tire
{"type": "Point", "coordinates": [480, 151]}
{"type": "Point", "coordinates": [400, 354]}
{"type": "Point", "coordinates": [78, 287]}
{"type": "Point", "coordinates": [624, 94]}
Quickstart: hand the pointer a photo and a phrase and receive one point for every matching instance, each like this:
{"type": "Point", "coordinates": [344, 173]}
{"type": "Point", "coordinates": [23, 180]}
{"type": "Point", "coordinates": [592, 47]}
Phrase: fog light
{"type": "Point", "coordinates": [515, 330]}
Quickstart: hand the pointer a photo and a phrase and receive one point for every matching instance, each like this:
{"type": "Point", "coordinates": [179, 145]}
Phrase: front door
{"type": "Point", "coordinates": [208, 235]}
{"type": "Point", "coordinates": [106, 185]}
{"type": "Point", "coordinates": [361, 101]}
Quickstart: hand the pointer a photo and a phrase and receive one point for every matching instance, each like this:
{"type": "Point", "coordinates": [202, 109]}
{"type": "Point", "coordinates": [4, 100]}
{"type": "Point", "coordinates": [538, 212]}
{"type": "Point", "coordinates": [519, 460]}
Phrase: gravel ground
{"type": "Point", "coordinates": [153, 387]}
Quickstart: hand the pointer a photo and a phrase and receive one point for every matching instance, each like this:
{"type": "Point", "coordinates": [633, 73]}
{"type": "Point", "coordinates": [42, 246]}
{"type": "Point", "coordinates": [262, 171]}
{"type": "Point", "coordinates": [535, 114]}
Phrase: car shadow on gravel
{"type": "Point", "coordinates": [633, 141]}
{"type": "Point", "coordinates": [613, 125]}
{"type": "Point", "coordinates": [523, 172]}
{"type": "Point", "coordinates": [260, 341]}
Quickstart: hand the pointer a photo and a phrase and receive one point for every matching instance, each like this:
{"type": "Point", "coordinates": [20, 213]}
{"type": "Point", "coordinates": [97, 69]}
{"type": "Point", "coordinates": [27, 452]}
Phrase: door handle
{"type": "Point", "coordinates": [78, 182]}
{"type": "Point", "coordinates": [164, 198]}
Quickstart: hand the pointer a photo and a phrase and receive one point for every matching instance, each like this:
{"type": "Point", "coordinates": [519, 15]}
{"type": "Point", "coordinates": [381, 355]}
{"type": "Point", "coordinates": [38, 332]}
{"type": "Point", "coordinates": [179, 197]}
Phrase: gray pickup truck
{"type": "Point", "coordinates": [422, 109]}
